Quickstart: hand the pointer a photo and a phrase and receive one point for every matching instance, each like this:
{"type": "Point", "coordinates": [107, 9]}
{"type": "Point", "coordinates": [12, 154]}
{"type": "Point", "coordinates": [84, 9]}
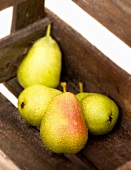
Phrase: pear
{"type": "Point", "coordinates": [42, 64]}
{"type": "Point", "coordinates": [63, 128]}
{"type": "Point", "coordinates": [100, 112]}
{"type": "Point", "coordinates": [33, 102]}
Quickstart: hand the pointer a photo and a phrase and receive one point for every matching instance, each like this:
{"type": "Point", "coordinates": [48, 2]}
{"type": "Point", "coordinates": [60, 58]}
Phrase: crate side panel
{"type": "Point", "coordinates": [8, 3]}
{"type": "Point", "coordinates": [26, 13]}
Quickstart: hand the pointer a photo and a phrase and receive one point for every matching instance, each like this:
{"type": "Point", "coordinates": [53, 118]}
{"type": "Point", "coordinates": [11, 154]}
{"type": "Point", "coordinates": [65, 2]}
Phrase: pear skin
{"type": "Point", "coordinates": [33, 102]}
{"type": "Point", "coordinates": [100, 112]}
{"type": "Point", "coordinates": [82, 95]}
{"type": "Point", "coordinates": [42, 64]}
{"type": "Point", "coordinates": [63, 128]}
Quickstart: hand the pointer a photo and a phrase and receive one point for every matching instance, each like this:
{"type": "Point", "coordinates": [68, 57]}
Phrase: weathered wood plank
{"type": "Point", "coordinates": [6, 163]}
{"type": "Point", "coordinates": [8, 3]}
{"type": "Point", "coordinates": [115, 15]}
{"type": "Point", "coordinates": [26, 13]}
{"type": "Point", "coordinates": [109, 151]}
{"type": "Point", "coordinates": [126, 166]}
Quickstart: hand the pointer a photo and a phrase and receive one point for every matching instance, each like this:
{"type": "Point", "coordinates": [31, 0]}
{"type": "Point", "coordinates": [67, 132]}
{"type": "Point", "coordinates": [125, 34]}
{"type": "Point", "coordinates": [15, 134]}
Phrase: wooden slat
{"type": "Point", "coordinates": [8, 3]}
{"type": "Point", "coordinates": [27, 12]}
{"type": "Point", "coordinates": [109, 151]}
{"type": "Point", "coordinates": [126, 166]}
{"type": "Point", "coordinates": [6, 163]}
{"type": "Point", "coordinates": [113, 14]}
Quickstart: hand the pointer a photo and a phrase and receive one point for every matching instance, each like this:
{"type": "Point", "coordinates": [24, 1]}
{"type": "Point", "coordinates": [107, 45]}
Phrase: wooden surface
{"type": "Point", "coordinates": [81, 61]}
{"type": "Point", "coordinates": [113, 14]}
{"type": "Point", "coordinates": [8, 3]}
{"type": "Point", "coordinates": [126, 166]}
{"type": "Point", "coordinates": [26, 13]}
{"type": "Point", "coordinates": [6, 163]}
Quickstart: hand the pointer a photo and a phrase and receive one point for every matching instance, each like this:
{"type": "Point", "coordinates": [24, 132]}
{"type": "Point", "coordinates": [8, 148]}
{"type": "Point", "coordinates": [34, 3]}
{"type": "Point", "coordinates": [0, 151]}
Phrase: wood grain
{"type": "Point", "coordinates": [115, 15]}
{"type": "Point", "coordinates": [26, 13]}
{"type": "Point", "coordinates": [6, 163]}
{"type": "Point", "coordinates": [8, 3]}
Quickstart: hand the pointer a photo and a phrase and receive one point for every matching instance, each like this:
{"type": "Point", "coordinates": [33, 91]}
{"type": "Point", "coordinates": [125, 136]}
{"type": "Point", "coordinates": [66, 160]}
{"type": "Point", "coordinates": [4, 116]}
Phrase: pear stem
{"type": "Point", "coordinates": [81, 86]}
{"type": "Point", "coordinates": [48, 30]}
{"type": "Point", "coordinates": [63, 84]}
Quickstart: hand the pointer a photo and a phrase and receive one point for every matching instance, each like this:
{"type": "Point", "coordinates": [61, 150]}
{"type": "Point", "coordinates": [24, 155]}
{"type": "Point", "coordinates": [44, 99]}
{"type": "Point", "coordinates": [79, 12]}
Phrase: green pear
{"type": "Point", "coordinates": [82, 95]}
{"type": "Point", "coordinates": [42, 64]}
{"type": "Point", "coordinates": [33, 102]}
{"type": "Point", "coordinates": [63, 128]}
{"type": "Point", "coordinates": [100, 112]}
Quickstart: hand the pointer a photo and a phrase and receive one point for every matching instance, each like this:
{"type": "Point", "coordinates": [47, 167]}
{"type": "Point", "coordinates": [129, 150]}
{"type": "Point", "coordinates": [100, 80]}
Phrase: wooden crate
{"type": "Point", "coordinates": [81, 62]}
